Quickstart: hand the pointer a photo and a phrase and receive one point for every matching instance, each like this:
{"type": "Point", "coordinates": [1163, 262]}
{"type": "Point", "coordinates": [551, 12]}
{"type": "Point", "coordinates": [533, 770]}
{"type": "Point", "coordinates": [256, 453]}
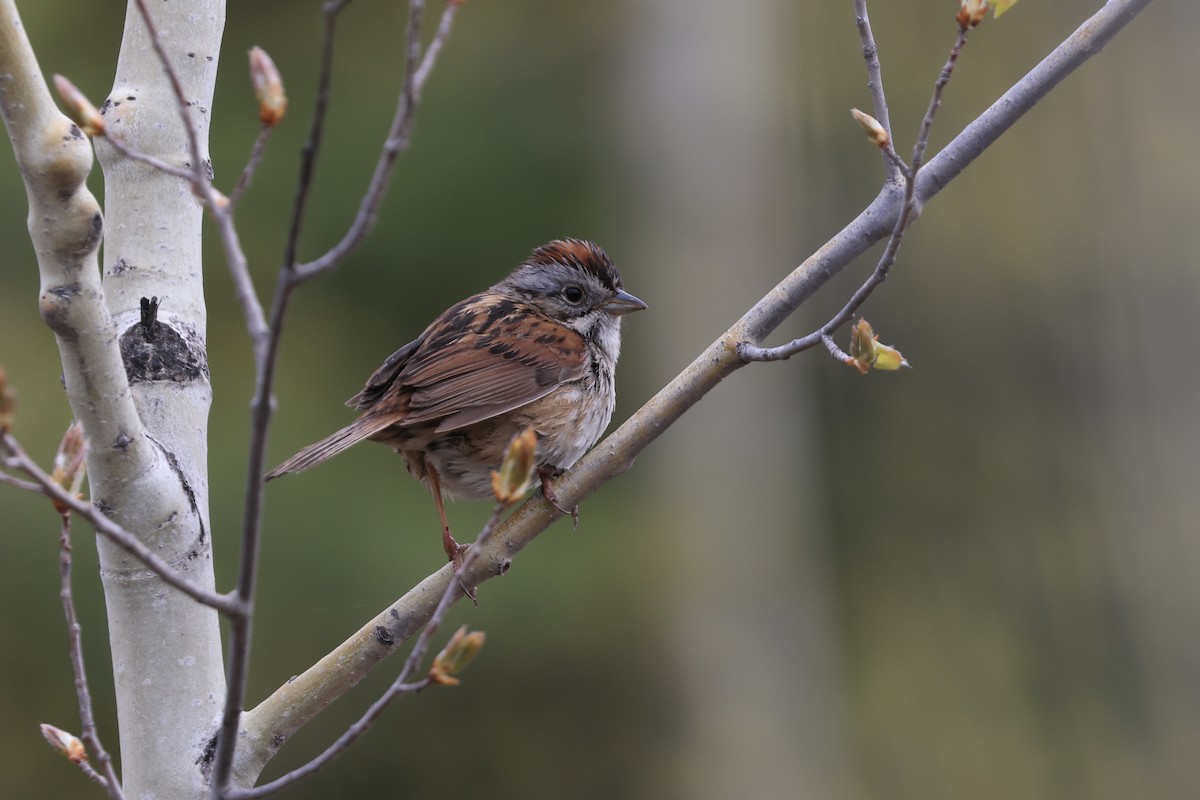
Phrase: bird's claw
{"type": "Point", "coordinates": [552, 499]}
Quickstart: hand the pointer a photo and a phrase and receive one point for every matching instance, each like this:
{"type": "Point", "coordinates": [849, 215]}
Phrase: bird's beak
{"type": "Point", "coordinates": [624, 303]}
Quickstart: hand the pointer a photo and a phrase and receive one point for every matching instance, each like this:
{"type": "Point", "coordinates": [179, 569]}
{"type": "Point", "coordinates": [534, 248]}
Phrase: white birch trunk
{"type": "Point", "coordinates": [166, 648]}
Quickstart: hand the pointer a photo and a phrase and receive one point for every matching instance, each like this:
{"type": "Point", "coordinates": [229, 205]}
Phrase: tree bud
{"type": "Point", "coordinates": [455, 656]}
{"type": "Point", "coordinates": [268, 87]}
{"type": "Point", "coordinates": [512, 480]}
{"type": "Point", "coordinates": [875, 132]}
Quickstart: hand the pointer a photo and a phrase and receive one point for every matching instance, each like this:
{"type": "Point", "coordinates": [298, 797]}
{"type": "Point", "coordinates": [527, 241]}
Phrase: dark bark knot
{"type": "Point", "coordinates": [206, 756]}
{"type": "Point", "coordinates": [55, 304]}
{"type": "Point", "coordinates": [384, 636]}
{"type": "Point", "coordinates": [155, 351]}
{"type": "Point", "coordinates": [149, 318]}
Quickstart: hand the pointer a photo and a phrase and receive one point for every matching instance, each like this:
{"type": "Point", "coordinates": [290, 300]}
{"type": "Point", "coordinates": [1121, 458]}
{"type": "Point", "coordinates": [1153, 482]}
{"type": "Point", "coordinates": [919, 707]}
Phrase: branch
{"type": "Point", "coordinates": [20, 484]}
{"type": "Point", "coordinates": [892, 162]}
{"type": "Point", "coordinates": [87, 718]}
{"type": "Point", "coordinates": [294, 703]}
{"type": "Point", "coordinates": [908, 213]}
{"type": "Point", "coordinates": [308, 154]}
{"type": "Point", "coordinates": [18, 459]}
{"type": "Point", "coordinates": [66, 225]}
{"type": "Point", "coordinates": [189, 127]}
{"type": "Point", "coordinates": [399, 138]}
{"type": "Point", "coordinates": [235, 258]}
{"type": "Point", "coordinates": [290, 276]}
{"type": "Point", "coordinates": [453, 590]}
{"type": "Point", "coordinates": [256, 153]}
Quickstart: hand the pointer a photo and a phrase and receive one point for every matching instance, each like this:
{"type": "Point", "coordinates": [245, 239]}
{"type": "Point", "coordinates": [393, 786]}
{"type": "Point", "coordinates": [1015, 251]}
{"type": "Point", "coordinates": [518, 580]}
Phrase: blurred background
{"type": "Point", "coordinates": [976, 579]}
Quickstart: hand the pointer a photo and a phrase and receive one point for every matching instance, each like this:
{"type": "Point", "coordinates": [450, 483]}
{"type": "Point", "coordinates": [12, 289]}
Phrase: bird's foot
{"type": "Point", "coordinates": [548, 492]}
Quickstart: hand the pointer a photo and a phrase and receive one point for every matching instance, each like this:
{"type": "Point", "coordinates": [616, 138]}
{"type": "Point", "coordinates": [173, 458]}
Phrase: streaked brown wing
{"type": "Point", "coordinates": [382, 378]}
{"type": "Point", "coordinates": [482, 358]}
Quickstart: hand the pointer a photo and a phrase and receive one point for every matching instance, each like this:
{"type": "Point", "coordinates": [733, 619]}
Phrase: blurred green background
{"type": "Point", "coordinates": [975, 579]}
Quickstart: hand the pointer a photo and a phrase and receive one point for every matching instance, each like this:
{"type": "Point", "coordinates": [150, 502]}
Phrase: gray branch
{"type": "Point", "coordinates": [301, 698]}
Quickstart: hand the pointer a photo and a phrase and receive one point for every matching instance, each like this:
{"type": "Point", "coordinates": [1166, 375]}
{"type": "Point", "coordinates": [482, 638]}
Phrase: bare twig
{"type": "Point", "coordinates": [894, 165]}
{"type": "Point", "coordinates": [256, 153]}
{"type": "Point", "coordinates": [836, 351]}
{"type": "Point", "coordinates": [400, 686]}
{"type": "Point", "coordinates": [20, 460]}
{"type": "Point", "coordinates": [157, 163]}
{"type": "Point", "coordinates": [73, 748]}
{"type": "Point", "coordinates": [262, 405]}
{"type": "Point", "coordinates": [219, 206]}
{"type": "Point", "coordinates": [308, 155]}
{"type": "Point", "coordinates": [908, 213]}
{"type": "Point", "coordinates": [435, 45]}
{"type": "Point", "coordinates": [17, 482]}
{"type": "Point", "coordinates": [181, 99]}
{"type": "Point", "coordinates": [87, 717]}
{"type": "Point", "coordinates": [398, 140]}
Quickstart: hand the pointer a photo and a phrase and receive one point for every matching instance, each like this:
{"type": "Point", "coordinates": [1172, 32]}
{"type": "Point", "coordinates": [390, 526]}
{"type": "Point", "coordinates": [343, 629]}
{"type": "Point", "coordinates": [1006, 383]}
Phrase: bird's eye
{"type": "Point", "coordinates": [572, 294]}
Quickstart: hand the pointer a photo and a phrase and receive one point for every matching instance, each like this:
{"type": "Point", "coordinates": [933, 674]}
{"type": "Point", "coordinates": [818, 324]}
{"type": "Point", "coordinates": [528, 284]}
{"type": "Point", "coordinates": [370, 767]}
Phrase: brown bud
{"type": "Point", "coordinates": [511, 481]}
{"type": "Point", "coordinates": [875, 132]}
{"type": "Point", "coordinates": [66, 743]}
{"type": "Point", "coordinates": [972, 12]}
{"type": "Point", "coordinates": [455, 656]}
{"type": "Point", "coordinates": [268, 87]}
{"type": "Point", "coordinates": [69, 464]}
{"type": "Point", "coordinates": [866, 352]}
{"type": "Point", "coordinates": [79, 108]}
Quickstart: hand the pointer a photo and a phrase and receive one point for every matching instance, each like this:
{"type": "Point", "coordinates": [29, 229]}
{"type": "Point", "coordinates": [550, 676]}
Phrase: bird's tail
{"type": "Point", "coordinates": [331, 445]}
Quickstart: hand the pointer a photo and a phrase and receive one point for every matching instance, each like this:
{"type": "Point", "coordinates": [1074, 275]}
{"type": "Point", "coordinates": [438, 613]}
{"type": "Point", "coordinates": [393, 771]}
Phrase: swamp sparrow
{"type": "Point", "coordinates": [537, 349]}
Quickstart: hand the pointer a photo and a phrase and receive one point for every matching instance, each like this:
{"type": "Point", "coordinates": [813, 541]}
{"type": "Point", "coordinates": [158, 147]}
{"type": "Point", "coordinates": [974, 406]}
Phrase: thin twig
{"type": "Point", "coordinates": [308, 155]}
{"type": "Point", "coordinates": [908, 212]}
{"type": "Point", "coordinates": [223, 216]}
{"type": "Point", "coordinates": [87, 717]}
{"type": "Point", "coordinates": [17, 482]}
{"type": "Point", "coordinates": [836, 351]}
{"type": "Point", "coordinates": [256, 154]}
{"type": "Point", "coordinates": [219, 206]}
{"type": "Point", "coordinates": [400, 686]}
{"type": "Point", "coordinates": [261, 411]}
{"type": "Point", "coordinates": [398, 140]}
{"type": "Point", "coordinates": [894, 165]}
{"type": "Point", "coordinates": [157, 163]}
{"type": "Point", "coordinates": [176, 86]}
{"type": "Point", "coordinates": [262, 405]}
{"type": "Point", "coordinates": [106, 527]}
{"type": "Point", "coordinates": [435, 46]}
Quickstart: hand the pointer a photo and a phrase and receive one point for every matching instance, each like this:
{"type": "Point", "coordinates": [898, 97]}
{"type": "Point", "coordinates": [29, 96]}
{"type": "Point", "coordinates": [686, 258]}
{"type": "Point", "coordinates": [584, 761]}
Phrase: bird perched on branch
{"type": "Point", "coordinates": [537, 349]}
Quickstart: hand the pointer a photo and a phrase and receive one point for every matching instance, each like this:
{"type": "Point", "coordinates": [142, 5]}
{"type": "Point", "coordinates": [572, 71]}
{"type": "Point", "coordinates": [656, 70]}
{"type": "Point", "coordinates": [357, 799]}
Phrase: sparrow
{"type": "Point", "coordinates": [537, 349]}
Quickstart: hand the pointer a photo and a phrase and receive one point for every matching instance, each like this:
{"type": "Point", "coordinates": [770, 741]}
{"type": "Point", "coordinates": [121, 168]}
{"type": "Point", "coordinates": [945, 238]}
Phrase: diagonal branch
{"type": "Point", "coordinates": [908, 213]}
{"type": "Point", "coordinates": [18, 459]}
{"type": "Point", "coordinates": [303, 697]}
{"type": "Point", "coordinates": [400, 686]}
